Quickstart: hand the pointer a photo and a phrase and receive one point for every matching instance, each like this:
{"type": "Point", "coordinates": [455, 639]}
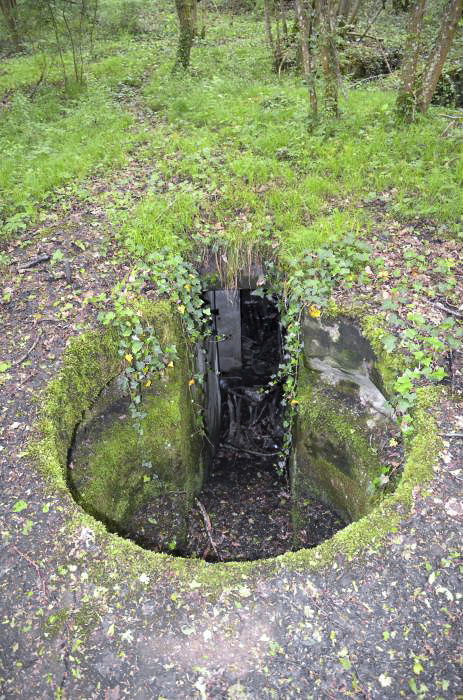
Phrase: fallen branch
{"type": "Point", "coordinates": [208, 525]}
{"type": "Point", "coordinates": [35, 566]}
{"type": "Point", "coordinates": [35, 261]}
{"type": "Point", "coordinates": [251, 452]}
{"type": "Point", "coordinates": [451, 435]}
{"type": "Point", "coordinates": [26, 354]}
{"type": "Point", "coordinates": [367, 36]}
{"type": "Point", "coordinates": [370, 78]}
{"type": "Point", "coordinates": [448, 310]}
{"type": "Point", "coordinates": [67, 269]}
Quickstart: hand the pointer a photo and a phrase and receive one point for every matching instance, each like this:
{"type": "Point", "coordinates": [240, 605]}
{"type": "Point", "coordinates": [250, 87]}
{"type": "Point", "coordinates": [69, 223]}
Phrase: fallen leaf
{"type": "Point", "coordinates": [454, 508]}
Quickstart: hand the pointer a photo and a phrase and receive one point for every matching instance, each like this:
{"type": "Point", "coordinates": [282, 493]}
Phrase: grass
{"type": "Point", "coordinates": [233, 163]}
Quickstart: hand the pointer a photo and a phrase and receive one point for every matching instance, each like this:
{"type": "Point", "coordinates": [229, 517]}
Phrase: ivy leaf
{"type": "Point", "coordinates": [389, 343]}
{"type": "Point", "coordinates": [19, 506]}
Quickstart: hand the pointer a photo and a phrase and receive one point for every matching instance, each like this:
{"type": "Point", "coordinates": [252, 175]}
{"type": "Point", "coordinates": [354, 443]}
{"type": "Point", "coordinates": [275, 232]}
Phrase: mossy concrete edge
{"type": "Point", "coordinates": [78, 385]}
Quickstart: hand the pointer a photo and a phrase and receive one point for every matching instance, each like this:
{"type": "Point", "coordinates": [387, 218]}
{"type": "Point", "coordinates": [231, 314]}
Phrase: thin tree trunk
{"type": "Point", "coordinates": [343, 10]}
{"type": "Point", "coordinates": [203, 19]}
{"type": "Point", "coordinates": [186, 11]}
{"type": "Point", "coordinates": [354, 12]}
{"type": "Point", "coordinates": [284, 23]}
{"type": "Point", "coordinates": [306, 56]}
{"type": "Point", "coordinates": [268, 26]}
{"type": "Point", "coordinates": [10, 12]}
{"type": "Point", "coordinates": [328, 55]}
{"type": "Point", "coordinates": [58, 41]}
{"type": "Point", "coordinates": [435, 64]}
{"type": "Point", "coordinates": [406, 96]}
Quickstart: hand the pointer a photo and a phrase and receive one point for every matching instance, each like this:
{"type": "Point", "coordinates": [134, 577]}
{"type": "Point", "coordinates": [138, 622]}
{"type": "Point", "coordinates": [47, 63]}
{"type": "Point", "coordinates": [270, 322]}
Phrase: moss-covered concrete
{"type": "Point", "coordinates": [89, 363]}
{"type": "Point", "coordinates": [334, 457]}
{"type": "Point", "coordinates": [114, 471]}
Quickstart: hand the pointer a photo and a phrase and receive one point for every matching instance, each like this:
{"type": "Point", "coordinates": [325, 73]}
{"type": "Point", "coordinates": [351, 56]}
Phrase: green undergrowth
{"type": "Point", "coordinates": [37, 158]}
{"type": "Point", "coordinates": [231, 144]}
{"type": "Point", "coordinates": [233, 151]}
{"type": "Point", "coordinates": [51, 135]}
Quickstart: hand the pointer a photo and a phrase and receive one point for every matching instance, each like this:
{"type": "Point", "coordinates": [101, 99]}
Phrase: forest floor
{"type": "Point", "coordinates": [78, 620]}
{"type": "Point", "coordinates": [385, 625]}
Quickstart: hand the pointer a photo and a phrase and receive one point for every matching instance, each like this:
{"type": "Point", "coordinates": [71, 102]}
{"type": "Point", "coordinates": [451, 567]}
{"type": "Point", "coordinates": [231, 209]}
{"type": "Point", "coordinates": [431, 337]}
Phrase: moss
{"type": "Point", "coordinates": [89, 361]}
{"type": "Point", "coordinates": [87, 619]}
{"type": "Point", "coordinates": [55, 623]}
{"type": "Point", "coordinates": [117, 478]}
{"type": "Point", "coordinates": [334, 458]}
{"type": "Point", "coordinates": [370, 531]}
{"type": "Point", "coordinates": [389, 365]}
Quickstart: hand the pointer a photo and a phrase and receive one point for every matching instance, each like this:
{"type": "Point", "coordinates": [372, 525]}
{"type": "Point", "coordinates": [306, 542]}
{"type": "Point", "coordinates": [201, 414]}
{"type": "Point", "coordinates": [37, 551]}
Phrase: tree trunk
{"type": "Point", "coordinates": [406, 96]}
{"type": "Point", "coordinates": [268, 26]}
{"type": "Point", "coordinates": [306, 56]}
{"type": "Point", "coordinates": [186, 11]}
{"type": "Point", "coordinates": [284, 22]}
{"type": "Point", "coordinates": [354, 12]}
{"type": "Point", "coordinates": [343, 10]}
{"type": "Point", "coordinates": [435, 64]}
{"type": "Point", "coordinates": [329, 55]}
{"type": "Point", "coordinates": [10, 13]}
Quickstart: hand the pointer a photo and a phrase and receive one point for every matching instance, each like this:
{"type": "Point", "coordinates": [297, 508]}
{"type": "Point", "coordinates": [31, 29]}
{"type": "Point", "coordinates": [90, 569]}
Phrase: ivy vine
{"type": "Point", "coordinates": [171, 278]}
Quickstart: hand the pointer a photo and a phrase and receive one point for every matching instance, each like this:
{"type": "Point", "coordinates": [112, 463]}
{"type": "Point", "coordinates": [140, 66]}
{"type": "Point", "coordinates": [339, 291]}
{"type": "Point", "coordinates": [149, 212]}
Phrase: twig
{"type": "Point", "coordinates": [250, 452]}
{"type": "Point", "coordinates": [26, 354]}
{"type": "Point", "coordinates": [35, 261]}
{"type": "Point", "coordinates": [452, 370]}
{"type": "Point", "coordinates": [208, 525]}
{"type": "Point", "coordinates": [365, 33]}
{"type": "Point", "coordinates": [451, 435]}
{"type": "Point", "coordinates": [67, 268]}
{"type": "Point", "coordinates": [442, 307]}
{"type": "Point", "coordinates": [36, 567]}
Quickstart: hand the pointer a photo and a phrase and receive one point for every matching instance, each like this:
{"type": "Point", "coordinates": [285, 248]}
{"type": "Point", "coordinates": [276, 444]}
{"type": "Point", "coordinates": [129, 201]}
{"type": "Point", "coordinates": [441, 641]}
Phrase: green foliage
{"type": "Point", "coordinates": [161, 222]}
{"type": "Point", "coordinates": [37, 159]}
{"type": "Point", "coordinates": [139, 343]}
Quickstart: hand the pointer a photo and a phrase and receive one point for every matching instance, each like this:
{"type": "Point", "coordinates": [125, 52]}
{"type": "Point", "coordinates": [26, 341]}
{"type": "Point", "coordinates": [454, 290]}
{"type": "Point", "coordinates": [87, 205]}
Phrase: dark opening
{"type": "Point", "coordinates": [245, 510]}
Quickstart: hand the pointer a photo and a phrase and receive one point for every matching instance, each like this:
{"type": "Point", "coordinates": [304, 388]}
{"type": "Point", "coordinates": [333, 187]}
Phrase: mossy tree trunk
{"type": "Point", "coordinates": [413, 97]}
{"type": "Point", "coordinates": [329, 56]}
{"type": "Point", "coordinates": [305, 31]}
{"type": "Point", "coordinates": [406, 96]}
{"type": "Point", "coordinates": [433, 70]}
{"type": "Point", "coordinates": [187, 19]}
{"type": "Point", "coordinates": [347, 13]}
{"type": "Point", "coordinates": [9, 11]}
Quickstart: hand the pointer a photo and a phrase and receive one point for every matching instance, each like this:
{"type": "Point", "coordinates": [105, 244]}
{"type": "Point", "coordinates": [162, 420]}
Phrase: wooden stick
{"type": "Point", "coordinates": [36, 567]}
{"type": "Point", "coordinates": [35, 261]}
{"type": "Point", "coordinates": [26, 354]}
{"type": "Point", "coordinates": [442, 307]}
{"type": "Point", "coordinates": [208, 525]}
